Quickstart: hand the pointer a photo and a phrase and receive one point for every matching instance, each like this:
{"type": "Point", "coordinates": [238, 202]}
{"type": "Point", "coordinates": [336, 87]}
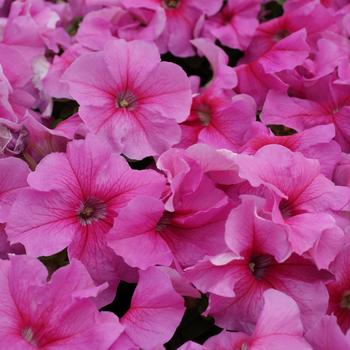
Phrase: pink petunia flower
{"type": "Point", "coordinates": [339, 290]}
{"type": "Point", "coordinates": [278, 327]}
{"type": "Point", "coordinates": [74, 198]}
{"type": "Point", "coordinates": [189, 225]}
{"type": "Point", "coordinates": [292, 32]}
{"type": "Point", "coordinates": [257, 259]}
{"type": "Point", "coordinates": [15, 94]}
{"type": "Point", "coordinates": [132, 21]}
{"type": "Point", "coordinates": [315, 143]}
{"type": "Point", "coordinates": [30, 139]}
{"type": "Point", "coordinates": [130, 97]}
{"type": "Point", "coordinates": [13, 180]}
{"type": "Point", "coordinates": [217, 117]}
{"type": "Point", "coordinates": [155, 311]}
{"type": "Point", "coordinates": [235, 24]}
{"type": "Point", "coordinates": [326, 335]}
{"type": "Point", "coordinates": [43, 20]}
{"type": "Point", "coordinates": [37, 313]}
{"type": "Point", "coordinates": [319, 103]}
{"type": "Point", "coordinates": [182, 19]}
{"type": "Point", "coordinates": [298, 195]}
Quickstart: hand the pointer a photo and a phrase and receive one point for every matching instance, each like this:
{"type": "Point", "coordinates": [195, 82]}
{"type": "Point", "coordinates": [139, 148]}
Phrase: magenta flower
{"type": "Point", "coordinates": [217, 118]}
{"type": "Point", "coordinates": [183, 17]}
{"type": "Point", "coordinates": [254, 81]}
{"type": "Point", "coordinates": [299, 196]}
{"type": "Point", "coordinates": [316, 143]}
{"type": "Point", "coordinates": [13, 180]}
{"type": "Point", "coordinates": [278, 327]}
{"type": "Point", "coordinates": [131, 21]}
{"type": "Point", "coordinates": [55, 314]}
{"type": "Point", "coordinates": [319, 103]}
{"type": "Point", "coordinates": [339, 290]}
{"type": "Point", "coordinates": [257, 259]}
{"type": "Point", "coordinates": [327, 335]}
{"type": "Point", "coordinates": [15, 94]}
{"type": "Point", "coordinates": [155, 311]}
{"type": "Point", "coordinates": [220, 121]}
{"type": "Point", "coordinates": [30, 139]}
{"type": "Point", "coordinates": [135, 234]}
{"type": "Point", "coordinates": [196, 208]}
{"type": "Point", "coordinates": [189, 225]}
{"type": "Point", "coordinates": [74, 198]}
{"type": "Point", "coordinates": [235, 24]}
{"type": "Point", "coordinates": [136, 103]}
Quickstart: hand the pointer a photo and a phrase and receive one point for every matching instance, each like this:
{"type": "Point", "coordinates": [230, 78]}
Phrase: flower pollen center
{"type": "Point", "coordinates": [123, 103]}
{"type": "Point", "coordinates": [125, 100]}
{"type": "Point", "coordinates": [91, 210]}
{"type": "Point", "coordinates": [259, 264]}
{"type": "Point", "coordinates": [204, 114]}
{"type": "Point", "coordinates": [244, 346]}
{"type": "Point", "coordinates": [28, 335]}
{"type": "Point", "coordinates": [171, 3]}
{"type": "Point", "coordinates": [345, 302]}
{"type": "Point", "coordinates": [281, 34]}
{"type": "Point", "coordinates": [164, 221]}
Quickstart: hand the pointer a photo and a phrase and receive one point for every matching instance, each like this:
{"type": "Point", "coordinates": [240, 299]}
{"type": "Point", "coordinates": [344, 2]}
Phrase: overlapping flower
{"type": "Point", "coordinates": [174, 174]}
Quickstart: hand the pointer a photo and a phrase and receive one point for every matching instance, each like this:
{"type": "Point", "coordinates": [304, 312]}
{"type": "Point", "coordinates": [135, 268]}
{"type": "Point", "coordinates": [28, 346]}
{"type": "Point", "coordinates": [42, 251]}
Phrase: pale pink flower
{"type": "Point", "coordinates": [51, 314]}
{"type": "Point", "coordinates": [298, 195]}
{"type": "Point", "coordinates": [43, 21]}
{"type": "Point", "coordinates": [313, 143]}
{"type": "Point", "coordinates": [155, 311]}
{"type": "Point", "coordinates": [30, 139]}
{"type": "Point", "coordinates": [326, 335]}
{"type": "Point", "coordinates": [13, 180]}
{"type": "Point", "coordinates": [182, 19]}
{"type": "Point", "coordinates": [15, 98]}
{"type": "Point", "coordinates": [319, 103]}
{"type": "Point", "coordinates": [136, 102]}
{"type": "Point", "coordinates": [257, 260]}
{"type": "Point", "coordinates": [235, 24]}
{"type": "Point", "coordinates": [195, 210]}
{"type": "Point", "coordinates": [74, 198]}
{"type": "Point", "coordinates": [339, 289]}
{"type": "Point", "coordinates": [278, 327]}
{"type": "Point", "coordinates": [132, 21]}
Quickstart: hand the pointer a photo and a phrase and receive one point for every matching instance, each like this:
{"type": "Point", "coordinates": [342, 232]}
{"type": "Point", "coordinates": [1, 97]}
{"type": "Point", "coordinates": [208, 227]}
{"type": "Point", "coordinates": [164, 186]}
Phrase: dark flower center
{"type": "Point", "coordinates": [204, 114]}
{"type": "Point", "coordinates": [164, 221]}
{"type": "Point", "coordinates": [285, 208]}
{"type": "Point", "coordinates": [345, 301]}
{"type": "Point", "coordinates": [125, 100]}
{"type": "Point", "coordinates": [281, 34]}
{"type": "Point", "coordinates": [171, 3]}
{"type": "Point", "coordinates": [91, 210]}
{"type": "Point", "coordinates": [28, 335]}
{"type": "Point", "coordinates": [289, 209]}
{"type": "Point", "coordinates": [259, 264]}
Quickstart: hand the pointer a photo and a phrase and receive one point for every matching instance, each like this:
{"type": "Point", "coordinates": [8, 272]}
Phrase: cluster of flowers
{"type": "Point", "coordinates": [247, 200]}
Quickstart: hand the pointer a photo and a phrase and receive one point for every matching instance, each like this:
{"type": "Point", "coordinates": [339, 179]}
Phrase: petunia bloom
{"type": "Point", "coordinates": [74, 198]}
{"type": "Point", "coordinates": [258, 258]}
{"type": "Point", "coordinates": [13, 180]}
{"type": "Point", "coordinates": [130, 97]}
{"type": "Point", "coordinates": [299, 196]}
{"type": "Point", "coordinates": [55, 314]}
{"type": "Point", "coordinates": [278, 327]}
